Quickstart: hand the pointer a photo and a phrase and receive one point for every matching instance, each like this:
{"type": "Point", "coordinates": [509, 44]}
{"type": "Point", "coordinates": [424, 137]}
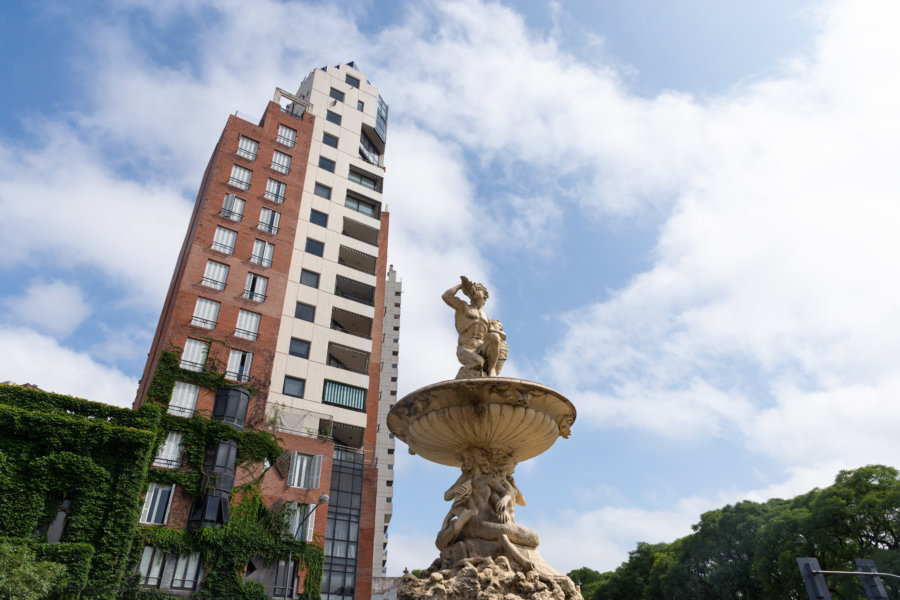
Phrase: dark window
{"type": "Point", "coordinates": [315, 247]}
{"type": "Point", "coordinates": [336, 94]}
{"type": "Point", "coordinates": [309, 278]}
{"type": "Point", "coordinates": [299, 348]}
{"type": "Point", "coordinates": [318, 218]}
{"type": "Point", "coordinates": [322, 191]}
{"type": "Point", "coordinates": [329, 140]}
{"type": "Point", "coordinates": [381, 119]}
{"type": "Point", "coordinates": [362, 205]}
{"type": "Point", "coordinates": [305, 312]}
{"type": "Point", "coordinates": [332, 117]}
{"type": "Point", "coordinates": [294, 387]}
{"type": "Point", "coordinates": [360, 105]}
{"type": "Point", "coordinates": [326, 164]}
{"type": "Point", "coordinates": [352, 80]}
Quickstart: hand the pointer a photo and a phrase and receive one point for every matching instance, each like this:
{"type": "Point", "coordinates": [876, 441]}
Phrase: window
{"type": "Point", "coordinates": [205, 313]}
{"type": "Point", "coordinates": [360, 106]}
{"type": "Point", "coordinates": [352, 80]}
{"type": "Point", "coordinates": [318, 218]}
{"type": "Point", "coordinates": [232, 207]}
{"type": "Point", "coordinates": [367, 149]}
{"type": "Point", "coordinates": [323, 191]}
{"type": "Point", "coordinates": [255, 287]}
{"type": "Point", "coordinates": [187, 572]}
{"type": "Point", "coordinates": [381, 118]}
{"type": "Point", "coordinates": [169, 455]}
{"type": "Point", "coordinates": [215, 275]}
{"type": "Point", "coordinates": [247, 148]}
{"type": "Point", "coordinates": [326, 164]}
{"type": "Point", "coordinates": [332, 117]}
{"type": "Point", "coordinates": [341, 394]}
{"type": "Point", "coordinates": [184, 399]}
{"type": "Point", "coordinates": [294, 387]}
{"type": "Point", "coordinates": [362, 205]}
{"type": "Point", "coordinates": [286, 136]}
{"type": "Point", "coordinates": [223, 240]}
{"type": "Point", "coordinates": [262, 253]}
{"type": "Point", "coordinates": [240, 177]}
{"type": "Point", "coordinates": [373, 182]}
{"type": "Point", "coordinates": [329, 140]}
{"type": "Point", "coordinates": [281, 162]}
{"type": "Point", "coordinates": [275, 191]}
{"type": "Point", "coordinates": [305, 312]}
{"type": "Point", "coordinates": [309, 278]}
{"type": "Point", "coordinates": [285, 579]}
{"type": "Point", "coordinates": [336, 94]}
{"type": "Point", "coordinates": [315, 247]}
{"type": "Point", "coordinates": [156, 504]}
{"type": "Point", "coordinates": [300, 513]}
{"type": "Point", "coordinates": [193, 357]}
{"type": "Point", "coordinates": [151, 565]}
{"type": "Point", "coordinates": [305, 471]}
{"type": "Point", "coordinates": [269, 220]}
{"type": "Point", "coordinates": [299, 348]}
{"type": "Point", "coordinates": [247, 326]}
{"type": "Point", "coordinates": [238, 368]}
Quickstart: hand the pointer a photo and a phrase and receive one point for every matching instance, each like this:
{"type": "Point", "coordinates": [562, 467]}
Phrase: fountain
{"type": "Point", "coordinates": [485, 424]}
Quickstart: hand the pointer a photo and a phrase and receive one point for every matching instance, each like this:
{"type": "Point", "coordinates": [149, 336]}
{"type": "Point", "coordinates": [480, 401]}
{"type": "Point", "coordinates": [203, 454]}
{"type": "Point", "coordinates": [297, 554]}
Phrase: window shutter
{"type": "Point", "coordinates": [315, 472]}
{"type": "Point", "coordinates": [148, 500]}
{"type": "Point", "coordinates": [295, 465]}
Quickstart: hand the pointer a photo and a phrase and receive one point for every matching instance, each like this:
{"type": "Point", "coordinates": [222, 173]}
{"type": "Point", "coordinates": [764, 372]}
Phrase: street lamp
{"type": "Point", "coordinates": [323, 499]}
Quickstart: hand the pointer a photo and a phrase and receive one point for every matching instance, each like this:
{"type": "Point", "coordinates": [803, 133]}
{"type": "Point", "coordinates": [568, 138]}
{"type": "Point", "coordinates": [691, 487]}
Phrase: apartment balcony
{"type": "Point", "coordinates": [352, 323]}
{"type": "Point", "coordinates": [347, 358]}
{"type": "Point", "coordinates": [360, 231]}
{"type": "Point", "coordinates": [357, 260]}
{"type": "Point", "coordinates": [354, 290]}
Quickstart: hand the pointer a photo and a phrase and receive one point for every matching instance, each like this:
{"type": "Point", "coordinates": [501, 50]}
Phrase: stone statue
{"type": "Point", "coordinates": [481, 347]}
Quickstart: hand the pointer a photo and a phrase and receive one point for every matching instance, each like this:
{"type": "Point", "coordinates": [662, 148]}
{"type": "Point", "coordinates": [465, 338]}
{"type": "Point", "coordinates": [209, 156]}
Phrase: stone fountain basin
{"type": "Point", "coordinates": [438, 422]}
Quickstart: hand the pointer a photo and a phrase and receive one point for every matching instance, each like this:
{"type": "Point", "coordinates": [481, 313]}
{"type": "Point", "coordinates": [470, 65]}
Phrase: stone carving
{"type": "Point", "coordinates": [481, 347]}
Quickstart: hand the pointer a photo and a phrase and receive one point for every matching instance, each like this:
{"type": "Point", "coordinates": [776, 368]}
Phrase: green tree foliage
{"type": "Point", "coordinates": [750, 549]}
{"type": "Point", "coordinates": [23, 576]}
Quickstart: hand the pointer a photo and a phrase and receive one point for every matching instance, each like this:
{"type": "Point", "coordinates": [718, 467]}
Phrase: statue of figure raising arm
{"type": "Point", "coordinates": [481, 347]}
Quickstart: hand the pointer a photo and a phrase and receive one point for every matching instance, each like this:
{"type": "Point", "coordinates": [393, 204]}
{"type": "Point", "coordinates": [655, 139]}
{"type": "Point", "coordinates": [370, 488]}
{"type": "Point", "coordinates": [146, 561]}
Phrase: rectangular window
{"type": "Point", "coordinates": [269, 220]}
{"type": "Point", "coordinates": [333, 117]}
{"type": "Point", "coordinates": [281, 162]}
{"type": "Point", "coordinates": [315, 247]}
{"type": "Point", "coordinates": [367, 149]}
{"type": "Point", "coordinates": [169, 455]}
{"type": "Point", "coordinates": [294, 387]}
{"type": "Point", "coordinates": [193, 357]}
{"type": "Point", "coordinates": [286, 580]}
{"type": "Point", "coordinates": [248, 148]}
{"type": "Point", "coordinates": [323, 191]}
{"type": "Point", "coordinates": [305, 312]}
{"type": "Point", "coordinates": [300, 513]}
{"type": "Point", "coordinates": [275, 191]}
{"type": "Point", "coordinates": [223, 240]}
{"type": "Point", "coordinates": [262, 253]}
{"type": "Point", "coordinates": [336, 94]}
{"type": "Point", "coordinates": [247, 325]}
{"type": "Point", "coordinates": [381, 119]}
{"type": "Point", "coordinates": [327, 164]}
{"type": "Point", "coordinates": [362, 205]}
{"type": "Point", "coordinates": [184, 399]}
{"type": "Point", "coordinates": [286, 136]}
{"type": "Point", "coordinates": [240, 177]}
{"type": "Point", "coordinates": [215, 275]}
{"type": "Point", "coordinates": [360, 106]}
{"type": "Point", "coordinates": [238, 368]}
{"type": "Point", "coordinates": [299, 348]}
{"type": "Point", "coordinates": [309, 278]}
{"type": "Point", "coordinates": [329, 140]}
{"type": "Point", "coordinates": [232, 207]}
{"type": "Point", "coordinates": [205, 313]}
{"type": "Point", "coordinates": [373, 182]}
{"type": "Point", "coordinates": [187, 572]}
{"type": "Point", "coordinates": [151, 565]}
{"type": "Point", "coordinates": [305, 471]}
{"type": "Point", "coordinates": [318, 218]}
{"type": "Point", "coordinates": [156, 504]}
{"type": "Point", "coordinates": [352, 80]}
{"type": "Point", "coordinates": [341, 394]}
{"type": "Point", "coordinates": [255, 287]}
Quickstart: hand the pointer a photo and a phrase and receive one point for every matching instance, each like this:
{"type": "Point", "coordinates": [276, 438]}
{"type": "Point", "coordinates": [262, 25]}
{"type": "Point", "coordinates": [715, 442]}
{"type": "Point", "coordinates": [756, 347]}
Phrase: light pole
{"type": "Point", "coordinates": [289, 585]}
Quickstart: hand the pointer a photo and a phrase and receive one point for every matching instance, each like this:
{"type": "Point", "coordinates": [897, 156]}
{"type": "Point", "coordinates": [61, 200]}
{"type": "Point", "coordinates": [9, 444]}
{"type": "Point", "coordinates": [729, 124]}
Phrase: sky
{"type": "Point", "coordinates": [685, 213]}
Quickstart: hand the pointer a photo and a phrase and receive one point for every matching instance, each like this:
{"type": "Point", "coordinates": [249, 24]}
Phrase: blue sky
{"type": "Point", "coordinates": [686, 214]}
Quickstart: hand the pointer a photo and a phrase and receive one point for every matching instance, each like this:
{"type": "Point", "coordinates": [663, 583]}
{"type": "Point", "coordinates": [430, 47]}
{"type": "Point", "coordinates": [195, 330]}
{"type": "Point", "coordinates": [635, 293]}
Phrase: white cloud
{"type": "Point", "coordinates": [53, 307]}
{"type": "Point", "coordinates": [30, 357]}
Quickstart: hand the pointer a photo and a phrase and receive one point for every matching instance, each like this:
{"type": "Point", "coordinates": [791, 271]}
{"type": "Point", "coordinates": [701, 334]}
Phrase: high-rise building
{"type": "Point", "coordinates": [283, 286]}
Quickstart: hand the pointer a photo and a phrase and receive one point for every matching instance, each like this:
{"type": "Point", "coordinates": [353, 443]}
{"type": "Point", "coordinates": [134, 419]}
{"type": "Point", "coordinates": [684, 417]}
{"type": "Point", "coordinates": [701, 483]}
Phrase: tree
{"type": "Point", "coordinates": [25, 577]}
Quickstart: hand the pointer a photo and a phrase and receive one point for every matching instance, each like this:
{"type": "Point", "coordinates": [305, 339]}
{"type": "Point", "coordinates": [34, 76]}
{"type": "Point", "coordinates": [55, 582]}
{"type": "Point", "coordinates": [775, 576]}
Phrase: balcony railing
{"type": "Point", "coordinates": [191, 366]}
{"type": "Point", "coordinates": [354, 290]}
{"type": "Point", "coordinates": [239, 376]}
{"type": "Point", "coordinates": [268, 227]}
{"type": "Point", "coordinates": [286, 141]}
{"type": "Point", "coordinates": [255, 296]}
{"type": "Point", "coordinates": [201, 322]}
{"type": "Point", "coordinates": [230, 214]}
{"type": "Point", "coordinates": [261, 260]}
{"type": "Point", "coordinates": [278, 198]}
{"type": "Point", "coordinates": [213, 283]}
{"type": "Point", "coordinates": [223, 248]}
{"type": "Point", "coordinates": [246, 154]}
{"type": "Point", "coordinates": [246, 334]}
{"type": "Point", "coordinates": [238, 183]}
{"type": "Point", "coordinates": [280, 168]}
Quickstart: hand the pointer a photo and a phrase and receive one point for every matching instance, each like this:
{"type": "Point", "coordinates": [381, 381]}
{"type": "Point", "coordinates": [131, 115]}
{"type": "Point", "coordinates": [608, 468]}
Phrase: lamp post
{"type": "Point", "coordinates": [323, 499]}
